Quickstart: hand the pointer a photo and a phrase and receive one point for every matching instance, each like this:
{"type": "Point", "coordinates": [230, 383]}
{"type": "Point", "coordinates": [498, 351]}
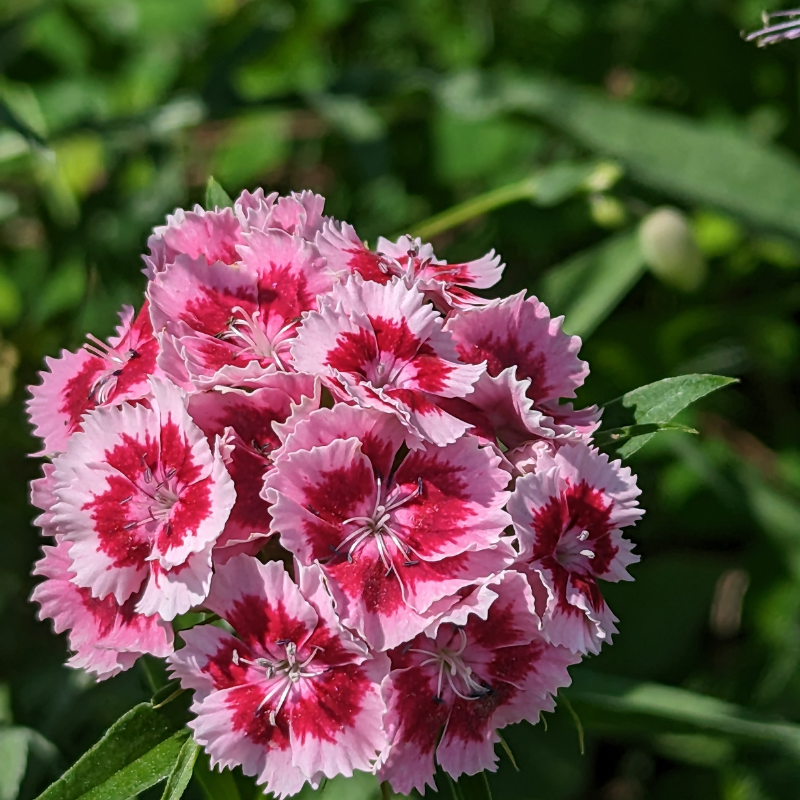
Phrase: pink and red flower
{"type": "Point", "coordinates": [246, 420]}
{"type": "Point", "coordinates": [106, 637]}
{"type": "Point", "coordinates": [478, 669]}
{"type": "Point", "coordinates": [215, 234]}
{"type": "Point", "coordinates": [291, 698]}
{"type": "Point", "coordinates": [531, 364]}
{"type": "Point", "coordinates": [198, 234]}
{"type": "Point", "coordinates": [98, 374]}
{"type": "Point", "coordinates": [214, 317]}
{"type": "Point", "coordinates": [382, 347]}
{"type": "Point", "coordinates": [299, 213]}
{"type": "Point", "coordinates": [568, 515]}
{"type": "Point", "coordinates": [142, 500]}
{"type": "Point", "coordinates": [394, 544]}
{"type": "Point", "coordinates": [412, 261]}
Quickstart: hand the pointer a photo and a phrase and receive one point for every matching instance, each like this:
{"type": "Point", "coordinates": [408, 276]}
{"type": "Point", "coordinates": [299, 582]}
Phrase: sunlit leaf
{"type": "Point", "coordinates": [20, 111]}
{"type": "Point", "coordinates": [216, 196]}
{"type": "Point", "coordinates": [252, 145]}
{"type": "Point", "coordinates": [182, 771]}
{"type": "Point", "coordinates": [81, 162]}
{"type": "Point", "coordinates": [589, 286]}
{"type": "Point", "coordinates": [657, 403]}
{"type": "Point", "coordinates": [138, 751]}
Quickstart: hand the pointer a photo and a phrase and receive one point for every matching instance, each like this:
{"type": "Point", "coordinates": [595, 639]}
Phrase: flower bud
{"type": "Point", "coordinates": [670, 250]}
{"type": "Point", "coordinates": [607, 211]}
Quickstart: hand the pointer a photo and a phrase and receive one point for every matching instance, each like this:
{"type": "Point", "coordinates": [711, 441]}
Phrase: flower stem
{"type": "Point", "coordinates": [475, 207]}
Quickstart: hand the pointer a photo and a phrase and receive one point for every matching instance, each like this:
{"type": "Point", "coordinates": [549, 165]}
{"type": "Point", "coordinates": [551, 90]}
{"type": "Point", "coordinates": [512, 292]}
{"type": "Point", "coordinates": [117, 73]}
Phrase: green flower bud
{"type": "Point", "coordinates": [670, 249]}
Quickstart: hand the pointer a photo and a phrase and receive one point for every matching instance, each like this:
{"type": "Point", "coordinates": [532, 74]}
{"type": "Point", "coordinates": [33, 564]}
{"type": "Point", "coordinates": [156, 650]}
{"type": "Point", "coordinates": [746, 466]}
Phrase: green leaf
{"type": "Point", "coordinates": [613, 438]}
{"type": "Point", "coordinates": [657, 403]}
{"type": "Point", "coordinates": [251, 146]}
{"type": "Point", "coordinates": [20, 112]}
{"type": "Point", "coordinates": [589, 286]}
{"type": "Point", "coordinates": [63, 291]}
{"type": "Point", "coordinates": [215, 785]}
{"type": "Point", "coordinates": [182, 771]}
{"type": "Point", "coordinates": [359, 786]}
{"type": "Point", "coordinates": [138, 750]}
{"type": "Point", "coordinates": [10, 301]}
{"type": "Point", "coordinates": [216, 196]}
{"type": "Point", "coordinates": [13, 760]}
{"type": "Point", "coordinates": [631, 708]}
{"type": "Point", "coordinates": [705, 164]}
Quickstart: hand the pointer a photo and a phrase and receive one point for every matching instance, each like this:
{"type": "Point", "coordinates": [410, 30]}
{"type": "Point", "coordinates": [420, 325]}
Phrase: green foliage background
{"type": "Point", "coordinates": [578, 118]}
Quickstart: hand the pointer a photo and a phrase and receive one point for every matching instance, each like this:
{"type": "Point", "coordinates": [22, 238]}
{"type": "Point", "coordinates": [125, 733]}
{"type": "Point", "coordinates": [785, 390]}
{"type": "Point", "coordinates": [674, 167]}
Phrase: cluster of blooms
{"type": "Point", "coordinates": [364, 469]}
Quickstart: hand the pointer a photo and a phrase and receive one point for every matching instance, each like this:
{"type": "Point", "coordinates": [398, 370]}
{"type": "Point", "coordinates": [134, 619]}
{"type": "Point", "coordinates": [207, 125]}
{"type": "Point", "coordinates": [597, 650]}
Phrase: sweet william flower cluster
{"type": "Point", "coordinates": [373, 476]}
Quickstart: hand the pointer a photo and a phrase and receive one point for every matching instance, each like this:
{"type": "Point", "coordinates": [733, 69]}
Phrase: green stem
{"type": "Point", "coordinates": [562, 698]}
{"type": "Point", "coordinates": [151, 674]}
{"type": "Point", "coordinates": [475, 207]}
{"type": "Point", "coordinates": [386, 792]}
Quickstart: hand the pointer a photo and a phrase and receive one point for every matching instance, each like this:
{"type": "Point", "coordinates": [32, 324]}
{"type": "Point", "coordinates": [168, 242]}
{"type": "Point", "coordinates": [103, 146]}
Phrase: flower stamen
{"type": "Point", "coordinates": [377, 526]}
{"type": "Point", "coordinates": [287, 671]}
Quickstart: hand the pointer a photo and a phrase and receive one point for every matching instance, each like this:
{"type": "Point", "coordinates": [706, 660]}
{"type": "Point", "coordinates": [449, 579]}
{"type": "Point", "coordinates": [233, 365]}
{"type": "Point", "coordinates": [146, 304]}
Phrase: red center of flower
{"type": "Point", "coordinates": [574, 530]}
{"type": "Point", "coordinates": [155, 497]}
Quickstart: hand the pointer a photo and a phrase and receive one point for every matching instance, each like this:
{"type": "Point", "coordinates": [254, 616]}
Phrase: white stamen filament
{"type": "Point", "coordinates": [249, 332]}
{"type": "Point", "coordinates": [157, 502]}
{"type": "Point", "coordinates": [452, 667]}
{"type": "Point", "coordinates": [377, 526]}
{"type": "Point", "coordinates": [569, 552]}
{"type": "Point", "coordinates": [105, 383]}
{"type": "Point", "coordinates": [287, 671]}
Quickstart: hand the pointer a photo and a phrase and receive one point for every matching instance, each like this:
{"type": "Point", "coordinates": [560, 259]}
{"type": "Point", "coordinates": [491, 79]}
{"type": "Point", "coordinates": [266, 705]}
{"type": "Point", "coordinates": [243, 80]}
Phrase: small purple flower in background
{"type": "Point", "coordinates": [779, 26]}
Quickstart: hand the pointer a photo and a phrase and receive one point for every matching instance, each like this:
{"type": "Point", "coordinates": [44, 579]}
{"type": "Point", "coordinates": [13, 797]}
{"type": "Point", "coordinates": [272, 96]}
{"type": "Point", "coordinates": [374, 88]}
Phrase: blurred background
{"type": "Point", "coordinates": [636, 164]}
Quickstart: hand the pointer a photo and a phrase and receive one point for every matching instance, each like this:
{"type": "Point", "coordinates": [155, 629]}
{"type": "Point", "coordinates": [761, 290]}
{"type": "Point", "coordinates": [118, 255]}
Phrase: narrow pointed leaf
{"type": "Point", "coordinates": [720, 167]}
{"type": "Point", "coordinates": [632, 708]}
{"type": "Point", "coordinates": [216, 196]}
{"type": "Point", "coordinates": [182, 771]}
{"type": "Point", "coordinates": [656, 403]}
{"type": "Point", "coordinates": [589, 286]}
{"type": "Point", "coordinates": [13, 760]}
{"type": "Point", "coordinates": [138, 750]}
{"type": "Point", "coordinates": [10, 118]}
